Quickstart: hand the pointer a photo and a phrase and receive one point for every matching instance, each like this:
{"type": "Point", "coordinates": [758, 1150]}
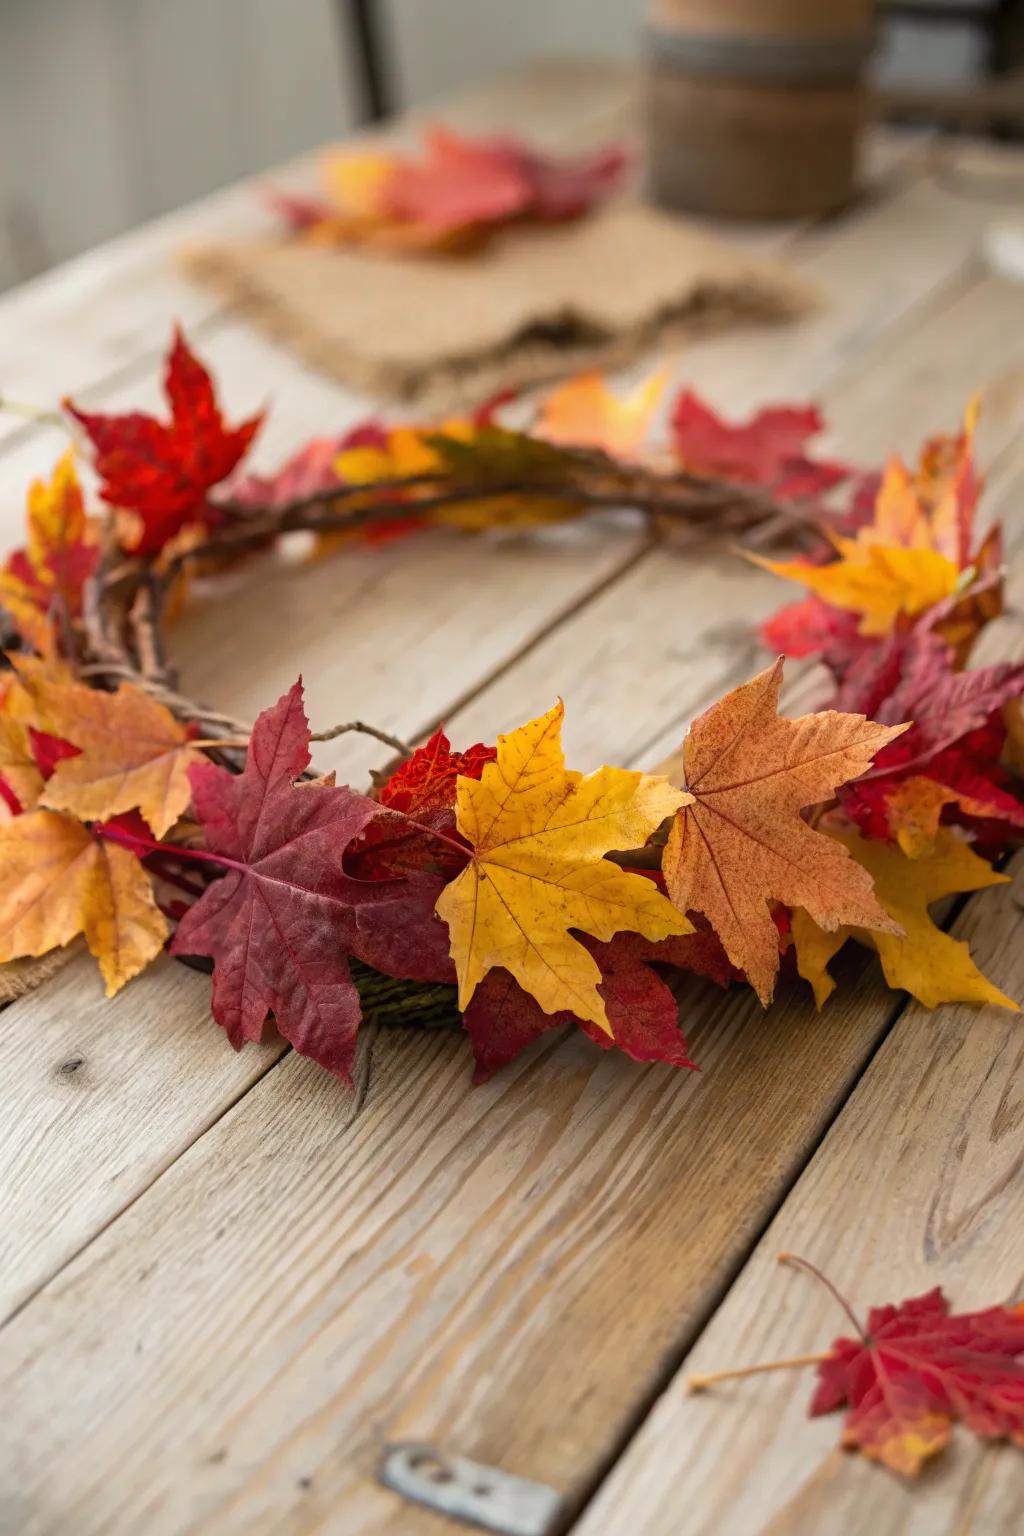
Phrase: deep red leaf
{"type": "Point", "coordinates": [769, 450]}
{"type": "Point", "coordinates": [502, 1019]}
{"type": "Point", "coordinates": [49, 750]}
{"type": "Point", "coordinates": [458, 182]}
{"type": "Point", "coordinates": [284, 918]}
{"type": "Point", "coordinates": [918, 1369]}
{"type": "Point", "coordinates": [564, 189]}
{"type": "Point", "coordinates": [810, 626]}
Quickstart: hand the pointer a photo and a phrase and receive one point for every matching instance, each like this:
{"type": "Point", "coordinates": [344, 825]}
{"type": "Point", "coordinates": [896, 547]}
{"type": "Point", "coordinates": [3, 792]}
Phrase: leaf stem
{"type": "Point", "coordinates": [712, 1378]}
{"type": "Point", "coordinates": [34, 413]}
{"type": "Point", "coordinates": [797, 1262]}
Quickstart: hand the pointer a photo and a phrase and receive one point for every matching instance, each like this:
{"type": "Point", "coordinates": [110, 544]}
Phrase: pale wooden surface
{"type": "Point", "coordinates": [224, 1293]}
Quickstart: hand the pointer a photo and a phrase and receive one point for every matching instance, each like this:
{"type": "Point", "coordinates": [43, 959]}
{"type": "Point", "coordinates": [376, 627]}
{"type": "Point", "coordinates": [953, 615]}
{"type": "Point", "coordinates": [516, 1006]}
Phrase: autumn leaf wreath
{"type": "Point", "coordinates": [521, 894]}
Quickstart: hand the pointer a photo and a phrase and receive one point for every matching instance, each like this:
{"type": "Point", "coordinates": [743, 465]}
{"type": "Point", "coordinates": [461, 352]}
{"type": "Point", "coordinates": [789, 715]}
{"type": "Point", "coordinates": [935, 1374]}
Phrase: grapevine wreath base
{"type": "Point", "coordinates": [492, 884]}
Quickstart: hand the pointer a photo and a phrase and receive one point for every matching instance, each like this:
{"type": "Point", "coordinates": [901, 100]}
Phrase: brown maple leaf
{"type": "Point", "coordinates": [739, 842]}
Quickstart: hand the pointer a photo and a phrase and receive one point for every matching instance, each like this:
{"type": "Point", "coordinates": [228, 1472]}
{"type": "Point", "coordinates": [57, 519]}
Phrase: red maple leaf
{"type": "Point", "coordinates": [49, 750]}
{"type": "Point", "coordinates": [810, 626]}
{"type": "Point", "coordinates": [956, 739]}
{"type": "Point", "coordinates": [566, 188]}
{"type": "Point", "coordinates": [912, 677]}
{"type": "Point", "coordinates": [163, 471]}
{"type": "Point", "coordinates": [282, 922]}
{"type": "Point", "coordinates": [502, 1019]}
{"type": "Point", "coordinates": [422, 787]}
{"type": "Point", "coordinates": [768, 450]}
{"type": "Point", "coordinates": [916, 1369]}
{"type": "Point", "coordinates": [460, 182]}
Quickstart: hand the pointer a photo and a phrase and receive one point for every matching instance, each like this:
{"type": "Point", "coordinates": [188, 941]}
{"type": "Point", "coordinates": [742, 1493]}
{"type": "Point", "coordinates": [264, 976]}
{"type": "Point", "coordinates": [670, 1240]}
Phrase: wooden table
{"type": "Point", "coordinates": [226, 1292]}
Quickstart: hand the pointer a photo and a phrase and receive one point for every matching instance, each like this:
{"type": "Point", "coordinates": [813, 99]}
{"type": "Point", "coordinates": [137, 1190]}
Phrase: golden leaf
{"type": "Point", "coordinates": [58, 880]}
{"type": "Point", "coordinates": [585, 413]}
{"type": "Point", "coordinates": [538, 835]}
{"type": "Point", "coordinates": [922, 960]}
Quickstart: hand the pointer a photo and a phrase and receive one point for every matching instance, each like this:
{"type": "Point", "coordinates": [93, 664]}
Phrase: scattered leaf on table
{"type": "Point", "coordinates": [162, 472]}
{"type": "Point", "coordinates": [282, 921]}
{"type": "Point", "coordinates": [132, 754]}
{"type": "Point", "coordinates": [453, 195]}
{"type": "Point", "coordinates": [538, 835]}
{"type": "Point", "coordinates": [922, 960]}
{"type": "Point", "coordinates": [457, 182]}
{"type": "Point", "coordinates": [584, 413]}
{"type": "Point", "coordinates": [916, 1371]}
{"type": "Point", "coordinates": [739, 841]}
{"type": "Point", "coordinates": [58, 879]}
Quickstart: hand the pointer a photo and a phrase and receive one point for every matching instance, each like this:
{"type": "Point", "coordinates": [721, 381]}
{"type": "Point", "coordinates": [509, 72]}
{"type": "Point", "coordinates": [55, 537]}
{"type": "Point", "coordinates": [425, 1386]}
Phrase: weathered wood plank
{"type": "Point", "coordinates": [919, 1183]}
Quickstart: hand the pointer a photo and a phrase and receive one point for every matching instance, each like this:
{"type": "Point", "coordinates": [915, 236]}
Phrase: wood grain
{"type": "Point", "coordinates": [920, 1182]}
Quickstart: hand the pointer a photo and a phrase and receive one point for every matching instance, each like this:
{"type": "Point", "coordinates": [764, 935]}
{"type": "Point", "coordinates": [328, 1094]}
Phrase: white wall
{"type": "Point", "coordinates": [114, 110]}
{"type": "Point", "coordinates": [438, 44]}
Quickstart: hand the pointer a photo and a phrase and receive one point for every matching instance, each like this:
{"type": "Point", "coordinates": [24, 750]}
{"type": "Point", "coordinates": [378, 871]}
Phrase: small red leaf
{"type": "Point", "coordinates": [163, 471]}
{"type": "Point", "coordinates": [917, 1370]}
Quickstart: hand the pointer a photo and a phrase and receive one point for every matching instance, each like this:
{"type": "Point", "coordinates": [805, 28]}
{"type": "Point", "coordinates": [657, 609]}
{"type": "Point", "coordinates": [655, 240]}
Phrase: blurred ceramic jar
{"type": "Point", "coordinates": [755, 107]}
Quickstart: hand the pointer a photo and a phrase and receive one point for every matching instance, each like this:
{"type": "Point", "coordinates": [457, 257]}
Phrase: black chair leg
{"type": "Point", "coordinates": [360, 26]}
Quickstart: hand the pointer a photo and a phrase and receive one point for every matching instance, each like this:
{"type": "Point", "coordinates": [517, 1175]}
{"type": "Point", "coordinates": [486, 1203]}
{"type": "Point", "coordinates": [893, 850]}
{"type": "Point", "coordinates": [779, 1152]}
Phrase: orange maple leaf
{"type": "Point", "coordinates": [58, 879]}
{"type": "Point", "coordinates": [585, 413]}
{"type": "Point", "coordinates": [740, 841]}
{"type": "Point", "coordinates": [133, 754]}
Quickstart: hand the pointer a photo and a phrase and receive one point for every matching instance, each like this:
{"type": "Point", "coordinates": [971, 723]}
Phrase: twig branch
{"type": "Point", "coordinates": [401, 747]}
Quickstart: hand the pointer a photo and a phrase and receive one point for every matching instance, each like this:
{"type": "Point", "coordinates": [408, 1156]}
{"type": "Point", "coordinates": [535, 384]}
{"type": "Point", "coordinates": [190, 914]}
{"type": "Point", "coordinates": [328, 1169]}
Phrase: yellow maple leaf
{"type": "Point", "coordinates": [58, 880]}
{"type": "Point", "coordinates": [133, 754]}
{"type": "Point", "coordinates": [915, 552]}
{"type": "Point", "coordinates": [878, 581]}
{"type": "Point", "coordinates": [585, 413]}
{"type": "Point", "coordinates": [739, 842]}
{"type": "Point", "coordinates": [914, 810]}
{"type": "Point", "coordinates": [60, 553]}
{"type": "Point", "coordinates": [17, 764]}
{"type": "Point", "coordinates": [356, 182]}
{"type": "Point", "coordinates": [538, 834]}
{"type": "Point", "coordinates": [923, 960]}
